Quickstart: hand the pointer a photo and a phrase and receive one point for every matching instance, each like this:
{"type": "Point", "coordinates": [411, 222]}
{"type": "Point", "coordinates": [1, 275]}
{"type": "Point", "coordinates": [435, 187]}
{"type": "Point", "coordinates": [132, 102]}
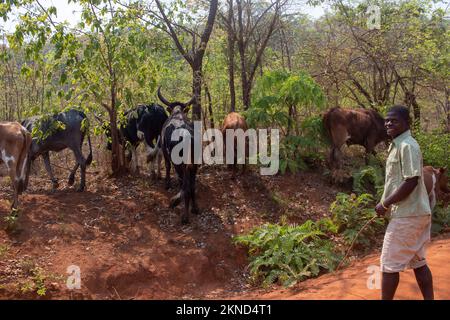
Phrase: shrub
{"type": "Point", "coordinates": [350, 213]}
{"type": "Point", "coordinates": [286, 101]}
{"type": "Point", "coordinates": [288, 253]}
{"type": "Point", "coordinates": [440, 219]}
{"type": "Point", "coordinates": [434, 147]}
{"type": "Point", "coordinates": [369, 179]}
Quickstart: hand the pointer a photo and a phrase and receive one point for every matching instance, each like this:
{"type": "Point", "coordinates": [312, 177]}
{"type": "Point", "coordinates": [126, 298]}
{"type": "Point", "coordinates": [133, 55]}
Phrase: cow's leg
{"type": "Point", "coordinates": [193, 178]}
{"type": "Point", "coordinates": [15, 184]}
{"type": "Point", "coordinates": [134, 160]}
{"type": "Point", "coordinates": [72, 174]}
{"type": "Point", "coordinates": [159, 160]}
{"type": "Point", "coordinates": [71, 180]}
{"type": "Point", "coordinates": [187, 195]}
{"type": "Point", "coordinates": [48, 167]}
{"type": "Point", "coordinates": [370, 149]}
{"type": "Point", "coordinates": [168, 167]}
{"type": "Point", "coordinates": [152, 168]}
{"type": "Point", "coordinates": [82, 163]}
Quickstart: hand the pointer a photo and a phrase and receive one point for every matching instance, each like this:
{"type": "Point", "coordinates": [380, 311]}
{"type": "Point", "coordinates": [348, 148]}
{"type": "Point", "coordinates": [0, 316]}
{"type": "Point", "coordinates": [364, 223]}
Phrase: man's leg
{"type": "Point", "coordinates": [389, 285]}
{"type": "Point", "coordinates": [425, 282]}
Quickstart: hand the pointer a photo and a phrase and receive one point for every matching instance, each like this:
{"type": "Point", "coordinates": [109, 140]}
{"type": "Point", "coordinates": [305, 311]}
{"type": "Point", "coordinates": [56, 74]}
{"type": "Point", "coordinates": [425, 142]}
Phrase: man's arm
{"type": "Point", "coordinates": [401, 193]}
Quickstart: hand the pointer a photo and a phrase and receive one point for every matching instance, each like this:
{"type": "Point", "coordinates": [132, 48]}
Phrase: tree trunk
{"type": "Point", "coordinates": [210, 108]}
{"type": "Point", "coordinates": [411, 102]}
{"type": "Point", "coordinates": [118, 163]}
{"type": "Point", "coordinates": [231, 46]}
{"type": "Point", "coordinates": [197, 90]}
{"type": "Point", "coordinates": [447, 108]}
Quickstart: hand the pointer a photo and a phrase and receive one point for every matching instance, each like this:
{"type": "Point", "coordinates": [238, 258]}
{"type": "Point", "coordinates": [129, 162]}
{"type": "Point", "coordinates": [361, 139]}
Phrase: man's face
{"type": "Point", "coordinates": [395, 125]}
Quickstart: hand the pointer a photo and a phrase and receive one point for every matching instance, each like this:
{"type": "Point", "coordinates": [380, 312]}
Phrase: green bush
{"type": "Point", "coordinates": [435, 147]}
{"type": "Point", "coordinates": [440, 219]}
{"type": "Point", "coordinates": [287, 253]}
{"type": "Point", "coordinates": [287, 101]}
{"type": "Point", "coordinates": [369, 179]}
{"type": "Point", "coordinates": [350, 213]}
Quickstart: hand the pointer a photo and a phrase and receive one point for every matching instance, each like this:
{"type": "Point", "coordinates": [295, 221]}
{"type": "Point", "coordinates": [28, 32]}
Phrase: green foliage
{"type": "Point", "coordinates": [11, 220]}
{"type": "Point", "coordinates": [37, 282]}
{"type": "Point", "coordinates": [440, 219]}
{"type": "Point", "coordinates": [287, 253]}
{"type": "Point", "coordinates": [277, 91]}
{"type": "Point", "coordinates": [350, 213]}
{"type": "Point", "coordinates": [369, 179]}
{"type": "Point", "coordinates": [46, 126]}
{"type": "Point", "coordinates": [434, 147]}
{"type": "Point", "coordinates": [279, 98]}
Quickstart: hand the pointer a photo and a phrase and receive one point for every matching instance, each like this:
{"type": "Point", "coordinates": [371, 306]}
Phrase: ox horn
{"type": "Point", "coordinates": [164, 100]}
{"type": "Point", "coordinates": [190, 102]}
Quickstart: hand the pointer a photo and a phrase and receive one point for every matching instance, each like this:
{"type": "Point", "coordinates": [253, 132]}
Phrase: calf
{"type": "Point", "coordinates": [73, 125]}
{"type": "Point", "coordinates": [15, 142]}
{"type": "Point", "coordinates": [186, 172]}
{"type": "Point", "coordinates": [234, 121]}
{"type": "Point", "coordinates": [436, 182]}
{"type": "Point", "coordinates": [144, 123]}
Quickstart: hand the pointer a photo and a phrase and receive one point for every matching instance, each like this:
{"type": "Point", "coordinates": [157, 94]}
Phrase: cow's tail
{"type": "Point", "coordinates": [89, 158]}
{"type": "Point", "coordinates": [24, 161]}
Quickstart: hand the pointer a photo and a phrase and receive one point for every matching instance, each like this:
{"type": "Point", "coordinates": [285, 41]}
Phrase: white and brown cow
{"type": "Point", "coordinates": [436, 182]}
{"type": "Point", "coordinates": [15, 142]}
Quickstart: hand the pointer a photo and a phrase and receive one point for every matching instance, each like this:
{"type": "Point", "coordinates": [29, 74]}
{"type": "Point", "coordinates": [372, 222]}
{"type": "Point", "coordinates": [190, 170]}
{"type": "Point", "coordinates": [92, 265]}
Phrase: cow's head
{"type": "Point", "coordinates": [175, 106]}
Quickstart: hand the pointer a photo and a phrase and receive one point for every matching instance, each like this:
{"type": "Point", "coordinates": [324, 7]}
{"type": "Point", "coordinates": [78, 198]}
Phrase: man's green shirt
{"type": "Point", "coordinates": [405, 161]}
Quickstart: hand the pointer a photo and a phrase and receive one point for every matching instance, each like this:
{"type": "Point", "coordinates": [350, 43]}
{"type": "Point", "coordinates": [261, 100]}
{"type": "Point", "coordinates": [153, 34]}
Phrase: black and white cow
{"type": "Point", "coordinates": [144, 123]}
{"type": "Point", "coordinates": [186, 172]}
{"type": "Point", "coordinates": [71, 128]}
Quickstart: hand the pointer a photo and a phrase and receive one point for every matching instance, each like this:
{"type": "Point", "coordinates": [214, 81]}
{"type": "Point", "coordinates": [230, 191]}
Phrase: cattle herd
{"type": "Point", "coordinates": [151, 125]}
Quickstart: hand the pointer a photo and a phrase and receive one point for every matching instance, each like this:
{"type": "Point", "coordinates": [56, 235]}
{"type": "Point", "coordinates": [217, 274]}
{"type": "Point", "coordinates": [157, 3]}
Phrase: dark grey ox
{"type": "Point", "coordinates": [56, 133]}
{"type": "Point", "coordinates": [186, 172]}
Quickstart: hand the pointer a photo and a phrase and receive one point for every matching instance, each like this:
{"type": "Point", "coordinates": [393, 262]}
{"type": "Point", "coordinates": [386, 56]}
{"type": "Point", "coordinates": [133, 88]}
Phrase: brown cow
{"type": "Point", "coordinates": [436, 182]}
{"type": "Point", "coordinates": [234, 121]}
{"type": "Point", "coordinates": [364, 127]}
{"type": "Point", "coordinates": [15, 142]}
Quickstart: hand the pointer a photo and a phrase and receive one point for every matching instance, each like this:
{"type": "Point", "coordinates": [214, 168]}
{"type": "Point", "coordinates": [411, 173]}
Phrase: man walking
{"type": "Point", "coordinates": [410, 215]}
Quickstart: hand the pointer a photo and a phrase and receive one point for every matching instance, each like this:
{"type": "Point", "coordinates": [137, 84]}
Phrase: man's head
{"type": "Point", "coordinates": [397, 121]}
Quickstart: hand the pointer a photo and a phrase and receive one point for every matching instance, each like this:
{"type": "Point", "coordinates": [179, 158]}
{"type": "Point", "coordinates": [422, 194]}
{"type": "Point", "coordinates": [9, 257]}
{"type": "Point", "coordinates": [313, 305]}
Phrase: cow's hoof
{"type": "Point", "coordinates": [80, 189]}
{"type": "Point", "coordinates": [195, 210]}
{"type": "Point", "coordinates": [153, 176]}
{"type": "Point", "coordinates": [184, 219]}
{"type": "Point", "coordinates": [174, 202]}
{"type": "Point", "coordinates": [55, 185]}
{"type": "Point", "coordinates": [71, 180]}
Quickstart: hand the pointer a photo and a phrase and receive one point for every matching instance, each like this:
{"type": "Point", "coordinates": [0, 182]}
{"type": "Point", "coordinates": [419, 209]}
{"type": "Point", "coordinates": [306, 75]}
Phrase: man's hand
{"type": "Point", "coordinates": [380, 210]}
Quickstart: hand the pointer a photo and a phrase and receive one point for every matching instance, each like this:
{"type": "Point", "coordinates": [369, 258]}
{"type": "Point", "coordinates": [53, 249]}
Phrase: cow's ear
{"type": "Point", "coordinates": [443, 170]}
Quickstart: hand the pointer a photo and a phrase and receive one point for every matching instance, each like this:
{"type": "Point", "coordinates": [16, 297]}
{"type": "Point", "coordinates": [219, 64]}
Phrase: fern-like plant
{"type": "Point", "coordinates": [350, 213]}
{"type": "Point", "coordinates": [288, 253]}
